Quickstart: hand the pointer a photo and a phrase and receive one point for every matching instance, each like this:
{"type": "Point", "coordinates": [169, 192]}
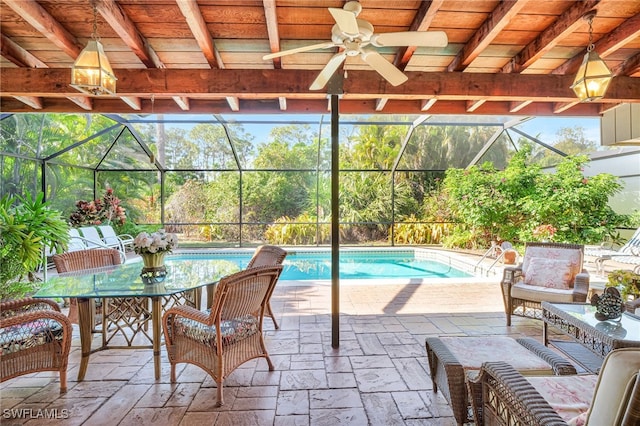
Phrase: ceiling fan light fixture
{"type": "Point", "coordinates": [593, 77]}
{"type": "Point", "coordinates": [91, 72]}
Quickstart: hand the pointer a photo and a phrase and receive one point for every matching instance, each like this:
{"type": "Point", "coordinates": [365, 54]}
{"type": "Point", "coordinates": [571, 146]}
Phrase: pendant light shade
{"type": "Point", "coordinates": [593, 77]}
{"type": "Point", "coordinates": [91, 72]}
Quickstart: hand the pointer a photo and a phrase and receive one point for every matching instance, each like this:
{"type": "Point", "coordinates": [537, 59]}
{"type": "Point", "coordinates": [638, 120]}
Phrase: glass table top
{"type": "Point", "coordinates": [626, 328]}
{"type": "Point", "coordinates": [125, 280]}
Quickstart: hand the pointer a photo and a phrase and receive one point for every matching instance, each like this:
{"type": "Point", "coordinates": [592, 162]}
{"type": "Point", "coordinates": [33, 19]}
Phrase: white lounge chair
{"type": "Point", "coordinates": [110, 238]}
{"type": "Point", "coordinates": [93, 240]}
{"type": "Point", "coordinates": [628, 253]}
{"type": "Point", "coordinates": [76, 242]}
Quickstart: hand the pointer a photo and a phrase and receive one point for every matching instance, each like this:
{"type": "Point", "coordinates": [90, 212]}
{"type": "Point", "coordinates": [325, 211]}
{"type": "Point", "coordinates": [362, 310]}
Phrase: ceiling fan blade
{"type": "Point", "coordinates": [385, 68]}
{"type": "Point", "coordinates": [324, 45]}
{"type": "Point", "coordinates": [411, 38]}
{"type": "Point", "coordinates": [346, 21]}
{"type": "Point", "coordinates": [325, 75]}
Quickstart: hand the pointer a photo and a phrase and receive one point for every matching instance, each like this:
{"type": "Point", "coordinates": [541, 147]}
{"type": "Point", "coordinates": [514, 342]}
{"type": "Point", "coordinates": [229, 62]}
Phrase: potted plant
{"type": "Point", "coordinates": [628, 282]}
{"type": "Point", "coordinates": [27, 226]}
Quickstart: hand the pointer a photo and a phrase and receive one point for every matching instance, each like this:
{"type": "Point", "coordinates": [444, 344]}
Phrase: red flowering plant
{"type": "Point", "coordinates": [544, 232]}
{"type": "Point", "coordinates": [105, 210]}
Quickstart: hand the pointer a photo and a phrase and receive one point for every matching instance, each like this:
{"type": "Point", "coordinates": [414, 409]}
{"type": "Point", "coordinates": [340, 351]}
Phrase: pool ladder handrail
{"type": "Point", "coordinates": [495, 250]}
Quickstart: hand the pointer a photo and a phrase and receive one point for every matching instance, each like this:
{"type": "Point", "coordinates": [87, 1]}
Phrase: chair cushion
{"type": "Point", "coordinates": [536, 293]}
{"type": "Point", "coordinates": [28, 335]}
{"type": "Point", "coordinates": [569, 396]}
{"type": "Point", "coordinates": [552, 273]}
{"type": "Point", "coordinates": [573, 257]}
{"type": "Point", "coordinates": [233, 330]}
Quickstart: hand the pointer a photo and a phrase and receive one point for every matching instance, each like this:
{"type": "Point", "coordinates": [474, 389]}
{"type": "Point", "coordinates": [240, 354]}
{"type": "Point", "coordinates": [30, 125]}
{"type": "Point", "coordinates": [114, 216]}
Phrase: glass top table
{"type": "Point", "coordinates": [600, 337]}
{"type": "Point", "coordinates": [119, 284]}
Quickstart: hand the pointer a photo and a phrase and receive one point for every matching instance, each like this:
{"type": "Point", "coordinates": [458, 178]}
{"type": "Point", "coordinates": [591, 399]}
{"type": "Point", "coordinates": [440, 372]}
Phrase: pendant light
{"type": "Point", "coordinates": [91, 72]}
{"type": "Point", "coordinates": [594, 76]}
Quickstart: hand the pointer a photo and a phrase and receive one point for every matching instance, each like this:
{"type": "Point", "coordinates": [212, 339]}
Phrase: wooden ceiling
{"type": "Point", "coordinates": [205, 56]}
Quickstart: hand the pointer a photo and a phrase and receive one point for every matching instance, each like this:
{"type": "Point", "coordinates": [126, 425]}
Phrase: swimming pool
{"type": "Point", "coordinates": [301, 265]}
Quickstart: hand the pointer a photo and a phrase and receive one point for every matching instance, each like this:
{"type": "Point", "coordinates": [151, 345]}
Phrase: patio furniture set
{"type": "Point", "coordinates": [503, 381]}
{"type": "Point", "coordinates": [486, 379]}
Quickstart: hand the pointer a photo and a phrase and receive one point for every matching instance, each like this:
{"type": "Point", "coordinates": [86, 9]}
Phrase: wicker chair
{"type": "Point", "coordinates": [230, 333]}
{"type": "Point", "coordinates": [610, 398]}
{"type": "Point", "coordinates": [268, 256]}
{"type": "Point", "coordinates": [72, 261]}
{"type": "Point", "coordinates": [34, 336]}
{"type": "Point", "coordinates": [549, 272]}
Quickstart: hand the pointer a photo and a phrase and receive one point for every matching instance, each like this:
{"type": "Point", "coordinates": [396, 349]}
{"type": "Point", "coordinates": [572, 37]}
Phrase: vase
{"type": "Point", "coordinates": [153, 270]}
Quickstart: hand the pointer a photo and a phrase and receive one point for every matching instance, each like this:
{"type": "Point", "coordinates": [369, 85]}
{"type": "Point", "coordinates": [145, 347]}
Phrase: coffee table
{"type": "Point", "coordinates": [578, 321]}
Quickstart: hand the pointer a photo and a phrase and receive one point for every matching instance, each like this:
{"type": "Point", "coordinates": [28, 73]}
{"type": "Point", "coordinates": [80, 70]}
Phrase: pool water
{"type": "Point", "coordinates": [358, 265]}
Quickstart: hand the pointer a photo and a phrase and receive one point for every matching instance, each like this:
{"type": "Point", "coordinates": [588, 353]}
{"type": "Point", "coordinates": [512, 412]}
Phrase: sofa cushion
{"type": "Point", "coordinates": [28, 335]}
{"type": "Point", "coordinates": [551, 273]}
{"type": "Point", "coordinates": [571, 256]}
{"type": "Point", "coordinates": [569, 396]}
{"type": "Point", "coordinates": [233, 330]}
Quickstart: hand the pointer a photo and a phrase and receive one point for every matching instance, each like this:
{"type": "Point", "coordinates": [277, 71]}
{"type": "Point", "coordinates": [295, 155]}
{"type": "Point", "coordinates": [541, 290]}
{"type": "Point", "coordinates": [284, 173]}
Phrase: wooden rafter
{"type": "Point", "coordinates": [128, 32]}
{"type": "Point", "coordinates": [563, 26]}
{"type": "Point", "coordinates": [41, 20]}
{"type": "Point", "coordinates": [272, 29]}
{"type": "Point", "coordinates": [421, 22]}
{"type": "Point", "coordinates": [629, 67]}
{"type": "Point", "coordinates": [198, 26]}
{"type": "Point", "coordinates": [19, 56]}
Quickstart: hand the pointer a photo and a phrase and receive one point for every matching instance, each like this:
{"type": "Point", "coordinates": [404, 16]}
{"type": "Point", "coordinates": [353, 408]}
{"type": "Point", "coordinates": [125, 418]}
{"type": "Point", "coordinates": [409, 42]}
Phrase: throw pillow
{"type": "Point", "coordinates": [551, 273]}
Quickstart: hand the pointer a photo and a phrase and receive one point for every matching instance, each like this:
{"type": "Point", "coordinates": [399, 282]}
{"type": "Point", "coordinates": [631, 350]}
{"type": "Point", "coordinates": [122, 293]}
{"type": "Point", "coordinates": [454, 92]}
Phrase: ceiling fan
{"type": "Point", "coordinates": [355, 37]}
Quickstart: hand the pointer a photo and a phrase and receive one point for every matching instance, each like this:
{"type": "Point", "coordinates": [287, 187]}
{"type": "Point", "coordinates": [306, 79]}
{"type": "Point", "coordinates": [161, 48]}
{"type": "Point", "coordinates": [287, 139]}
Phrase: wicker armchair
{"type": "Point", "coordinates": [230, 333]}
{"type": "Point", "coordinates": [34, 336]}
{"type": "Point", "coordinates": [549, 272]}
{"type": "Point", "coordinates": [268, 256]}
{"type": "Point", "coordinates": [610, 398]}
{"type": "Point", "coordinates": [72, 261]}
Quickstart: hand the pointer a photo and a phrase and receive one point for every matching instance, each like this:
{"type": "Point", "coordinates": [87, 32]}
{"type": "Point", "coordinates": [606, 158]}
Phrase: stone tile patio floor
{"type": "Point", "coordinates": [377, 376]}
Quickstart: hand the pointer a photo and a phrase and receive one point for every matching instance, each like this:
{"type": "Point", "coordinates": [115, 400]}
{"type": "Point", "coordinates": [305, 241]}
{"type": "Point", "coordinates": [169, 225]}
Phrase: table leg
{"type": "Point", "coordinates": [85, 325]}
{"type": "Point", "coordinates": [156, 313]}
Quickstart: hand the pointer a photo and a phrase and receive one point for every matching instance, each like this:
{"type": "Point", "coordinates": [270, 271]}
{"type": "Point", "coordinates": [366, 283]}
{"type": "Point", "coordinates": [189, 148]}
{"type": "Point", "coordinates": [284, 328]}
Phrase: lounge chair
{"type": "Point", "coordinates": [549, 272]}
{"type": "Point", "coordinates": [229, 334]}
{"type": "Point", "coordinates": [610, 398]}
{"type": "Point", "coordinates": [268, 255]}
{"type": "Point", "coordinates": [111, 239]}
{"type": "Point", "coordinates": [605, 252]}
{"type": "Point", "coordinates": [93, 240]}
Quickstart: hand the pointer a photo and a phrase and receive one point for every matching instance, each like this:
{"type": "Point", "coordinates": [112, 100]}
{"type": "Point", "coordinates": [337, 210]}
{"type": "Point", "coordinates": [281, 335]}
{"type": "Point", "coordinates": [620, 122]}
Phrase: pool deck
{"type": "Point", "coordinates": [377, 376]}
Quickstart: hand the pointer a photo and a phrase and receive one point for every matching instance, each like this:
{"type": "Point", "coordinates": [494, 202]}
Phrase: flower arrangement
{"type": "Point", "coordinates": [544, 232]}
{"type": "Point", "coordinates": [156, 242]}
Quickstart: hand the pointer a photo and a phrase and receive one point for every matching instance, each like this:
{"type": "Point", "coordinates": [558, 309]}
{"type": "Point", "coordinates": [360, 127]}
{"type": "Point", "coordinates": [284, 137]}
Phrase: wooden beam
{"type": "Point", "coordinates": [563, 106]}
{"type": "Point", "coordinates": [32, 101]}
{"type": "Point", "coordinates": [84, 102]}
{"type": "Point", "coordinates": [628, 67]}
{"type": "Point", "coordinates": [625, 33]}
{"type": "Point", "coordinates": [272, 29]}
{"type": "Point", "coordinates": [234, 103]}
{"type": "Point", "coordinates": [298, 106]}
{"type": "Point", "coordinates": [293, 83]}
{"type": "Point", "coordinates": [380, 103]}
{"type": "Point", "coordinates": [134, 102]}
{"type": "Point", "coordinates": [488, 31]}
{"type": "Point", "coordinates": [426, 104]}
{"type": "Point", "coordinates": [421, 22]}
{"type": "Point", "coordinates": [474, 105]}
{"type": "Point", "coordinates": [19, 56]}
{"type": "Point", "coordinates": [547, 40]}
{"type": "Point", "coordinates": [182, 101]}
{"type": "Point", "coordinates": [43, 22]}
{"type": "Point", "coordinates": [198, 26]}
{"type": "Point", "coordinates": [517, 106]}
{"type": "Point", "coordinates": [127, 31]}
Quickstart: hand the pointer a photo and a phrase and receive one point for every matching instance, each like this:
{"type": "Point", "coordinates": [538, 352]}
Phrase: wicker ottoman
{"type": "Point", "coordinates": [453, 359]}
